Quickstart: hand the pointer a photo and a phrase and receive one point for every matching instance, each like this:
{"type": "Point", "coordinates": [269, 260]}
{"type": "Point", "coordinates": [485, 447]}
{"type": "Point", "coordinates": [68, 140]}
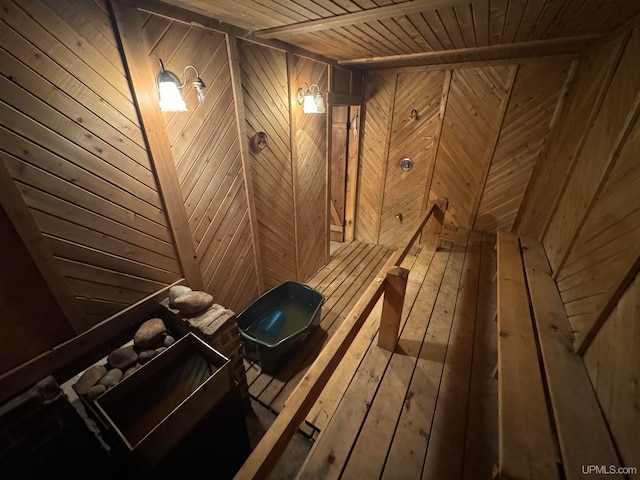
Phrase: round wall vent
{"type": "Point", "coordinates": [406, 164]}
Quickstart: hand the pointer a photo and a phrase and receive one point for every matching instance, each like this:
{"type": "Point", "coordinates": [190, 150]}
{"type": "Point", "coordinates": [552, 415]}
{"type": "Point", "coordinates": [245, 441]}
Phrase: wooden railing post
{"type": "Point", "coordinates": [431, 233]}
{"type": "Point", "coordinates": [395, 287]}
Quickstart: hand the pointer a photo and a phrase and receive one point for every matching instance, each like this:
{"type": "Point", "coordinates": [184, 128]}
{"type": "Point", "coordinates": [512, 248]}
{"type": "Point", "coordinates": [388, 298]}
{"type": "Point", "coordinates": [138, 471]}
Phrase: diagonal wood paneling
{"type": "Point", "coordinates": [411, 137]}
{"type": "Point", "coordinates": [71, 139]}
{"type": "Point", "coordinates": [608, 244]}
{"type": "Point", "coordinates": [266, 100]}
{"type": "Point", "coordinates": [597, 155]}
{"type": "Point", "coordinates": [531, 107]}
{"type": "Point", "coordinates": [612, 363]}
{"type": "Point", "coordinates": [554, 165]}
{"type": "Point", "coordinates": [310, 172]}
{"type": "Point", "coordinates": [471, 122]}
{"type": "Point", "coordinates": [206, 151]}
{"type": "Point", "coordinates": [379, 94]}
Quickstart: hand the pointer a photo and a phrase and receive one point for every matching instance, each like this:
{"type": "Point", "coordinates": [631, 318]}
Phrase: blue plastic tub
{"type": "Point", "coordinates": [275, 324]}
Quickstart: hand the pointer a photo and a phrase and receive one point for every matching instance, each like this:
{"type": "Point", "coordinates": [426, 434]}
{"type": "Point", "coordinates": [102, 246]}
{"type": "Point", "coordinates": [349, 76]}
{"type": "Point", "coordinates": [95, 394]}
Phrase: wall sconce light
{"type": "Point", "coordinates": [170, 89]}
{"type": "Point", "coordinates": [311, 103]}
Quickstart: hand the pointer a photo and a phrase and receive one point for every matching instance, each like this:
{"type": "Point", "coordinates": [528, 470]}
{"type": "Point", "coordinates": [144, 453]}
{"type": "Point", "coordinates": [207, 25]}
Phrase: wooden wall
{"type": "Point", "coordinates": [290, 174]}
{"type": "Point", "coordinates": [583, 204]}
{"type": "Point", "coordinates": [113, 200]}
{"type": "Point", "coordinates": [479, 132]}
{"type": "Point", "coordinates": [613, 363]}
{"type": "Point", "coordinates": [205, 145]}
{"type": "Point", "coordinates": [310, 171]}
{"type": "Point", "coordinates": [72, 142]}
{"type": "Point", "coordinates": [265, 86]}
{"type": "Point", "coordinates": [31, 320]}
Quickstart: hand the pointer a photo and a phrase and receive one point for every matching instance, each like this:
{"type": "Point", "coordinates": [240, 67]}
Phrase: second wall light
{"type": "Point", "coordinates": [311, 102]}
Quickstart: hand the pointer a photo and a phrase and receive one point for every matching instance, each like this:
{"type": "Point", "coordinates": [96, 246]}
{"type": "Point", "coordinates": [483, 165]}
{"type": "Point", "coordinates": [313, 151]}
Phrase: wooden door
{"type": "Point", "coordinates": [338, 165]}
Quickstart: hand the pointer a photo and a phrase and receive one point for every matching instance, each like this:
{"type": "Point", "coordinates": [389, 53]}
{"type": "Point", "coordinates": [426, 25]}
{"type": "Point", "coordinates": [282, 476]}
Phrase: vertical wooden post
{"type": "Point", "coordinates": [353, 146]}
{"type": "Point", "coordinates": [128, 27]}
{"type": "Point", "coordinates": [431, 233]}
{"type": "Point", "coordinates": [395, 286]}
{"type": "Point", "coordinates": [236, 85]}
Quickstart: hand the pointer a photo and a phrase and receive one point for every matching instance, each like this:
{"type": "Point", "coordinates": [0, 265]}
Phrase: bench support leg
{"type": "Point", "coordinates": [394, 289]}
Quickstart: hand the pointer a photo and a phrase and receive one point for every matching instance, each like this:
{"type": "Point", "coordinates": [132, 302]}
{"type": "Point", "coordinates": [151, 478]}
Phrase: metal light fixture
{"type": "Point", "coordinates": [170, 89]}
{"type": "Point", "coordinates": [311, 102]}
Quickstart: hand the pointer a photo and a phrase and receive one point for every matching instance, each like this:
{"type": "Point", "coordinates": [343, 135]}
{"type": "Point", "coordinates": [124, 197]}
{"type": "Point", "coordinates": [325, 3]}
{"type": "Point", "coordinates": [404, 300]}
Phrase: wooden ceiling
{"type": "Point", "coordinates": [391, 33]}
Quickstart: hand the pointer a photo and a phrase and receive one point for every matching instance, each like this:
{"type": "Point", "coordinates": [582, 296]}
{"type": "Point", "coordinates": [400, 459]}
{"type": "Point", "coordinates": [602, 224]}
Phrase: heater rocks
{"type": "Point", "coordinates": [193, 303]}
{"type": "Point", "coordinates": [123, 357]}
{"type": "Point", "coordinates": [149, 340]}
{"type": "Point", "coordinates": [89, 378]}
{"type": "Point", "coordinates": [150, 334]}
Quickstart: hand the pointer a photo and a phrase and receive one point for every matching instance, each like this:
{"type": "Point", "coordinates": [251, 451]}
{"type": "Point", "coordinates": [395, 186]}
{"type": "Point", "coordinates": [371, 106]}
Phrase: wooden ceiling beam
{"type": "Point", "coordinates": [554, 46]}
{"type": "Point", "coordinates": [180, 14]}
{"type": "Point", "coordinates": [379, 13]}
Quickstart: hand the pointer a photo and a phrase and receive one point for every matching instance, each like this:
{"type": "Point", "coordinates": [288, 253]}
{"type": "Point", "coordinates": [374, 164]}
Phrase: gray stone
{"type": "Point", "coordinates": [130, 371]}
{"type": "Point", "coordinates": [145, 356]}
{"type": "Point", "coordinates": [160, 350]}
{"type": "Point", "coordinates": [89, 378]}
{"type": "Point", "coordinates": [123, 357]}
{"type": "Point", "coordinates": [193, 302]}
{"type": "Point", "coordinates": [112, 377]}
{"type": "Point", "coordinates": [150, 334]}
{"type": "Point", "coordinates": [175, 292]}
{"type": "Point", "coordinates": [169, 340]}
{"type": "Point", "coordinates": [95, 391]}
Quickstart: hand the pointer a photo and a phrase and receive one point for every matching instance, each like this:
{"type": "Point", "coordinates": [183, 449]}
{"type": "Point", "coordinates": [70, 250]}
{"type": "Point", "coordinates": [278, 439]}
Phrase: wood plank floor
{"type": "Point", "coordinates": [429, 409]}
{"type": "Point", "coordinates": [342, 281]}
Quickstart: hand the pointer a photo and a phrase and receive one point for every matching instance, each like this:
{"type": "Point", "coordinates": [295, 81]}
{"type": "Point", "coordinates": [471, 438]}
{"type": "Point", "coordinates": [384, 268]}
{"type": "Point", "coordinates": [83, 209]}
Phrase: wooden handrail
{"type": "Point", "coordinates": [264, 457]}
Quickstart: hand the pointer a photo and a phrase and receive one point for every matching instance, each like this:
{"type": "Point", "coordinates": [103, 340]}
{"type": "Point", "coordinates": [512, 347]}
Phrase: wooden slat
{"type": "Point", "coordinates": [406, 384]}
{"type": "Point", "coordinates": [393, 10]}
{"type": "Point", "coordinates": [380, 91]}
{"type": "Point", "coordinates": [444, 98]}
{"type": "Point", "coordinates": [472, 111]}
{"type": "Point", "coordinates": [236, 76]}
{"type": "Point", "coordinates": [582, 432]}
{"type": "Point", "coordinates": [310, 180]}
{"type": "Point", "coordinates": [526, 123]}
{"type": "Point", "coordinates": [508, 50]}
{"type": "Point", "coordinates": [481, 444]}
{"type": "Point", "coordinates": [447, 438]}
{"type": "Point", "coordinates": [412, 138]}
{"type": "Point", "coordinates": [264, 79]}
{"type": "Point", "coordinates": [327, 403]}
{"type": "Point", "coordinates": [506, 101]}
{"type": "Point", "coordinates": [330, 452]}
{"type": "Point", "coordinates": [522, 404]}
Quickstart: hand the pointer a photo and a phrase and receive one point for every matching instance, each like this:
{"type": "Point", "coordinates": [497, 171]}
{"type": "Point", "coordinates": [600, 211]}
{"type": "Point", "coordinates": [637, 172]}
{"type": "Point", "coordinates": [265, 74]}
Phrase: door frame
{"type": "Point", "coordinates": [337, 99]}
